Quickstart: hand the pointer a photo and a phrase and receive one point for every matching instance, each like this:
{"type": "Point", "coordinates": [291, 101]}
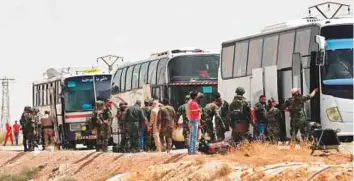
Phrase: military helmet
{"type": "Point", "coordinates": [27, 108]}
{"type": "Point", "coordinates": [240, 90]}
{"type": "Point", "coordinates": [187, 97]}
{"type": "Point", "coordinates": [99, 103]}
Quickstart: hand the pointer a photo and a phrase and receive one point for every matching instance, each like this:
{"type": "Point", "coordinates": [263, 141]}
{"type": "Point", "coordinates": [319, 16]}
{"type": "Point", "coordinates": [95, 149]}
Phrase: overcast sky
{"type": "Point", "coordinates": [39, 34]}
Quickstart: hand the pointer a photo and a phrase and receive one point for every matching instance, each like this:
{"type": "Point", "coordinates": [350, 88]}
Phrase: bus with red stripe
{"type": "Point", "coordinates": [70, 96]}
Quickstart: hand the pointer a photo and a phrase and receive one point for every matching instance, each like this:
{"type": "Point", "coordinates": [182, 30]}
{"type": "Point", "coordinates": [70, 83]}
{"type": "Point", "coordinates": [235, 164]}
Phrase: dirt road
{"type": "Point", "coordinates": [253, 161]}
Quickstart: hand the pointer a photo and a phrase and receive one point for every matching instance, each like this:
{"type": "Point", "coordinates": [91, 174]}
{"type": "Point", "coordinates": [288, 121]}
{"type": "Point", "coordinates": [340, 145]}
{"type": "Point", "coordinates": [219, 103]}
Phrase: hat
{"type": "Point", "coordinates": [240, 90]}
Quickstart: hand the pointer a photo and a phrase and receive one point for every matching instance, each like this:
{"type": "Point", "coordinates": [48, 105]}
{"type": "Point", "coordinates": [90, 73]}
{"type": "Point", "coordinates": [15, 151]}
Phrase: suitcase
{"type": "Point", "coordinates": [220, 147]}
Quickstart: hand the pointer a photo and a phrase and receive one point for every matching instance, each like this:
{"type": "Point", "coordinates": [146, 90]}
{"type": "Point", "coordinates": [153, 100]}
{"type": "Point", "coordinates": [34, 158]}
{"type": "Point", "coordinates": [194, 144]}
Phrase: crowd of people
{"type": "Point", "coordinates": [150, 127]}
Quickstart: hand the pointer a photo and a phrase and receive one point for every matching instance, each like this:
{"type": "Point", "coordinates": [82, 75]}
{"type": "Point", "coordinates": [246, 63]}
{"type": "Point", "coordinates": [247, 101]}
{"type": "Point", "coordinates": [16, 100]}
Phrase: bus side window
{"type": "Point", "coordinates": [143, 75]}
{"type": "Point", "coordinates": [152, 72]}
{"type": "Point", "coordinates": [286, 47]}
{"type": "Point", "coordinates": [122, 80]}
{"type": "Point", "coordinates": [161, 71]}
{"type": "Point", "coordinates": [255, 55]}
{"type": "Point", "coordinates": [135, 76]}
{"type": "Point", "coordinates": [116, 81]}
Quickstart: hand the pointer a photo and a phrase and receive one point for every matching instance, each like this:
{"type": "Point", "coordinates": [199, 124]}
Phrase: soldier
{"type": "Point", "coordinates": [147, 135]}
{"type": "Point", "coordinates": [136, 123]}
{"type": "Point", "coordinates": [101, 120]}
{"type": "Point", "coordinates": [38, 127]}
{"type": "Point", "coordinates": [211, 110]}
{"type": "Point", "coordinates": [239, 114]}
{"type": "Point", "coordinates": [223, 113]}
{"type": "Point", "coordinates": [273, 117]}
{"type": "Point", "coordinates": [123, 107]}
{"type": "Point", "coordinates": [154, 124]}
{"type": "Point", "coordinates": [295, 106]}
{"type": "Point", "coordinates": [166, 119]}
{"type": "Point", "coordinates": [23, 122]}
{"type": "Point", "coordinates": [47, 123]}
{"type": "Point", "coordinates": [182, 112]}
{"type": "Point", "coordinates": [30, 126]}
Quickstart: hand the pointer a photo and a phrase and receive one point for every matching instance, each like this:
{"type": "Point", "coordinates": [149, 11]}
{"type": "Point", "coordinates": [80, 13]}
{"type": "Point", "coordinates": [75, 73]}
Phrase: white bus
{"type": "Point", "coordinates": [73, 102]}
{"type": "Point", "coordinates": [291, 54]}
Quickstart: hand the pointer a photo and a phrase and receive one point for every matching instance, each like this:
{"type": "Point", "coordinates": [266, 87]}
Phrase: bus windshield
{"type": "Point", "coordinates": [194, 67]}
{"type": "Point", "coordinates": [103, 86]}
{"type": "Point", "coordinates": [79, 94]}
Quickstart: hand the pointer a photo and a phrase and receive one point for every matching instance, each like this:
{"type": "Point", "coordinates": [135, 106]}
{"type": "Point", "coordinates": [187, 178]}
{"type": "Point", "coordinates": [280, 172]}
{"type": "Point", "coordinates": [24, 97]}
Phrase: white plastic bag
{"type": "Point", "coordinates": [177, 134]}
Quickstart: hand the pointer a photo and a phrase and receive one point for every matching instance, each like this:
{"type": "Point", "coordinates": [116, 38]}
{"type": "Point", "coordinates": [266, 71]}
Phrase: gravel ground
{"type": "Point", "coordinates": [248, 163]}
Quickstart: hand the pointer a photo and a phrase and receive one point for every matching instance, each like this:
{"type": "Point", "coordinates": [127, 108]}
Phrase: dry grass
{"type": "Point", "coordinates": [67, 178]}
{"type": "Point", "coordinates": [200, 160]}
{"type": "Point", "coordinates": [23, 175]}
{"type": "Point", "coordinates": [2, 136]}
{"type": "Point", "coordinates": [222, 172]}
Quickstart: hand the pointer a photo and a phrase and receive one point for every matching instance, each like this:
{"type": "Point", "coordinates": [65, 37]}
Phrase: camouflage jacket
{"type": "Point", "coordinates": [134, 114]}
{"type": "Point", "coordinates": [295, 106]}
{"type": "Point", "coordinates": [239, 111]}
{"type": "Point", "coordinates": [210, 111]}
{"type": "Point", "coordinates": [147, 111]}
{"type": "Point", "coordinates": [166, 117]}
{"type": "Point", "coordinates": [182, 112]}
{"type": "Point", "coordinates": [99, 116]}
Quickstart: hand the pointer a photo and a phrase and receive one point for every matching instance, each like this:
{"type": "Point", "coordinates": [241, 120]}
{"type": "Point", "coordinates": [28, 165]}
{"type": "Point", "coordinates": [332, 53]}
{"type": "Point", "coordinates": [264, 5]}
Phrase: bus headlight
{"type": "Point", "coordinates": [333, 114]}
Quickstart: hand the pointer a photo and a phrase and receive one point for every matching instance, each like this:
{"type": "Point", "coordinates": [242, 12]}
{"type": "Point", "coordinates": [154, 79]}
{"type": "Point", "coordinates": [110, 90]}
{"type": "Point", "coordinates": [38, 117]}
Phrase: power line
{"type": "Point", "coordinates": [5, 101]}
{"type": "Point", "coordinates": [109, 62]}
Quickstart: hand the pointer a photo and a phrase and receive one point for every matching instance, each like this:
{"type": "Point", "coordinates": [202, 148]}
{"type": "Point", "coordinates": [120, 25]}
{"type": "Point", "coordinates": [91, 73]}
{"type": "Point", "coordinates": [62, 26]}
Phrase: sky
{"type": "Point", "coordinates": [40, 34]}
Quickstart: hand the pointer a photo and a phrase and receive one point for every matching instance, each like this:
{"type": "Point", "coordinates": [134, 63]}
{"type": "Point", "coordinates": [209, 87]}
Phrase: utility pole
{"type": "Point", "coordinates": [5, 101]}
{"type": "Point", "coordinates": [317, 7]}
{"type": "Point", "coordinates": [110, 60]}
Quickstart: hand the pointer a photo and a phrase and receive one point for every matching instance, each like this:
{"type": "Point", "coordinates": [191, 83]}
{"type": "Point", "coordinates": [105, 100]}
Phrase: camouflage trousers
{"type": "Point", "coordinates": [219, 131]}
{"type": "Point", "coordinates": [102, 139]}
{"type": "Point", "coordinates": [273, 132]}
{"type": "Point", "coordinates": [186, 133]}
{"type": "Point", "coordinates": [297, 124]}
{"type": "Point", "coordinates": [48, 135]}
{"type": "Point", "coordinates": [133, 135]}
{"type": "Point", "coordinates": [166, 139]}
{"type": "Point", "coordinates": [239, 132]}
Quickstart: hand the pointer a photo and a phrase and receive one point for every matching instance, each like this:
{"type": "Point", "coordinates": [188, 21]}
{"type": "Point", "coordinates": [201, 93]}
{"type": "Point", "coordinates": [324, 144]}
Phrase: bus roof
{"type": "Point", "coordinates": [170, 54]}
{"type": "Point", "coordinates": [294, 24]}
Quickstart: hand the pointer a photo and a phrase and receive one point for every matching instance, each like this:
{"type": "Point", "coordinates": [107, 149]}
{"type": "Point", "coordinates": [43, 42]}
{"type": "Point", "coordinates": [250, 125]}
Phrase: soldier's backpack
{"type": "Point", "coordinates": [238, 112]}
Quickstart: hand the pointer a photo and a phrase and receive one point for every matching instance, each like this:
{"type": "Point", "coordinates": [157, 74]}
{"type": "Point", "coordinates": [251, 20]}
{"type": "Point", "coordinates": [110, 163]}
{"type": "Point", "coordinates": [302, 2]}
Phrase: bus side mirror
{"type": "Point", "coordinates": [320, 58]}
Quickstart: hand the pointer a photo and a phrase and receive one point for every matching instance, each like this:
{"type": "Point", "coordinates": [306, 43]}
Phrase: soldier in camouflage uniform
{"type": "Point", "coordinates": [211, 110]}
{"type": "Point", "coordinates": [223, 113]}
{"type": "Point", "coordinates": [38, 127]}
{"type": "Point", "coordinates": [147, 135]}
{"type": "Point", "coordinates": [23, 122]}
{"type": "Point", "coordinates": [182, 112]}
{"type": "Point", "coordinates": [102, 121]}
{"type": "Point", "coordinates": [295, 106]}
{"type": "Point", "coordinates": [239, 115]}
{"type": "Point", "coordinates": [273, 117]}
{"type": "Point", "coordinates": [136, 123]}
{"type": "Point", "coordinates": [29, 128]}
{"type": "Point", "coordinates": [123, 106]}
{"type": "Point", "coordinates": [166, 118]}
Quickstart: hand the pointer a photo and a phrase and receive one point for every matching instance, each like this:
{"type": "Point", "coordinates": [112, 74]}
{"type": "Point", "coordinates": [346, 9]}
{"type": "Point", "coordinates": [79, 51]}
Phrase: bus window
{"type": "Point", "coordinates": [79, 94]}
{"type": "Point", "coordinates": [200, 67]}
{"type": "Point", "coordinates": [38, 95]}
{"type": "Point", "coordinates": [161, 71]}
{"type": "Point", "coordinates": [135, 76]}
{"type": "Point", "coordinates": [116, 81]}
{"type": "Point", "coordinates": [143, 74]}
{"type": "Point", "coordinates": [270, 49]}
{"type": "Point", "coordinates": [128, 80]}
{"type": "Point", "coordinates": [302, 43]}
{"type": "Point", "coordinates": [152, 72]}
{"type": "Point", "coordinates": [122, 80]}
{"type": "Point", "coordinates": [227, 57]}
{"type": "Point", "coordinates": [286, 47]}
{"type": "Point", "coordinates": [254, 55]}
{"type": "Point", "coordinates": [102, 86]}
{"type": "Point", "coordinates": [240, 59]}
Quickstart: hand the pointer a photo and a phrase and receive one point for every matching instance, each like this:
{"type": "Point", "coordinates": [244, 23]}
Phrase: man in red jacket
{"type": "Point", "coordinates": [8, 134]}
{"type": "Point", "coordinates": [16, 127]}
